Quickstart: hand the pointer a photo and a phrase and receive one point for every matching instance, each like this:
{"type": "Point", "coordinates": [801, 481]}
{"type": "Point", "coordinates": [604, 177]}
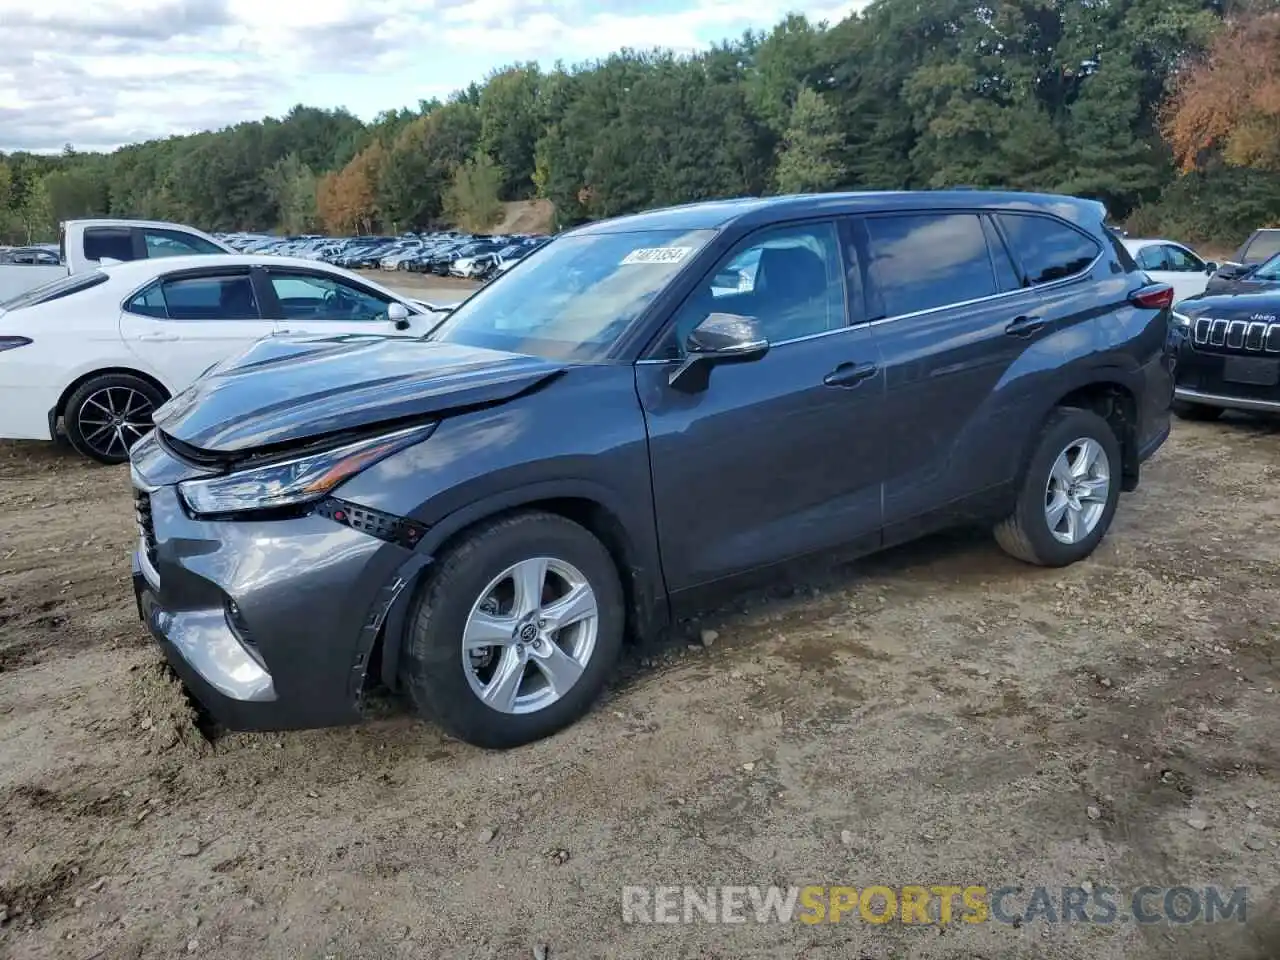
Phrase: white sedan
{"type": "Point", "coordinates": [1165, 261]}
{"type": "Point", "coordinates": [99, 351]}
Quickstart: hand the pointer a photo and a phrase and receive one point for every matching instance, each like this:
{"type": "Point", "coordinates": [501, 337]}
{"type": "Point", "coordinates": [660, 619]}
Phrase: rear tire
{"type": "Point", "coordinates": [108, 414]}
{"type": "Point", "coordinates": [1196, 411]}
{"type": "Point", "coordinates": [474, 593]}
{"type": "Point", "coordinates": [1062, 515]}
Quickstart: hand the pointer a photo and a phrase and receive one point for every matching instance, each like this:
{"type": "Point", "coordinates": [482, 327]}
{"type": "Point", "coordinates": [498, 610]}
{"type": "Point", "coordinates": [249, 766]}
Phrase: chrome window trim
{"type": "Point", "coordinates": [1052, 284]}
{"type": "Point", "coordinates": [162, 279]}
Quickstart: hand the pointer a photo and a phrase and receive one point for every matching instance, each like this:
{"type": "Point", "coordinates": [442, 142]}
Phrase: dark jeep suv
{"type": "Point", "coordinates": [647, 409]}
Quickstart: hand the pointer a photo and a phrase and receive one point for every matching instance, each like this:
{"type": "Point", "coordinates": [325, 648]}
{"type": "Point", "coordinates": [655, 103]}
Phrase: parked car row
{"type": "Point", "coordinates": [447, 253]}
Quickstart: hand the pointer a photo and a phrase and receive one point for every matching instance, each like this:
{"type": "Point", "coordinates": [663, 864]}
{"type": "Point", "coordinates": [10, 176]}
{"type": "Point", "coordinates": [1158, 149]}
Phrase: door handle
{"type": "Point", "coordinates": [850, 374]}
{"type": "Point", "coordinates": [158, 337]}
{"type": "Point", "coordinates": [1024, 326]}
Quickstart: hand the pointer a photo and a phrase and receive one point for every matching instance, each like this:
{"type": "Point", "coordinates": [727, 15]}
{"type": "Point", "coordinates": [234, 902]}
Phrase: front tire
{"type": "Point", "coordinates": [1069, 494]}
{"type": "Point", "coordinates": [515, 635]}
{"type": "Point", "coordinates": [1196, 411]}
{"type": "Point", "coordinates": [108, 414]}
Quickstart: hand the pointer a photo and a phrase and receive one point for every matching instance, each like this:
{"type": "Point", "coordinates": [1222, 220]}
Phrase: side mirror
{"type": "Point", "coordinates": [398, 314]}
{"type": "Point", "coordinates": [1211, 267]}
{"type": "Point", "coordinates": [720, 338]}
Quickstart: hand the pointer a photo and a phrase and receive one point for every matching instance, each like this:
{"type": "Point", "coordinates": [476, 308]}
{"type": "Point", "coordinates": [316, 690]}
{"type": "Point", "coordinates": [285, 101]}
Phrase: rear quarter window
{"type": "Point", "coordinates": [55, 290]}
{"type": "Point", "coordinates": [1048, 249]}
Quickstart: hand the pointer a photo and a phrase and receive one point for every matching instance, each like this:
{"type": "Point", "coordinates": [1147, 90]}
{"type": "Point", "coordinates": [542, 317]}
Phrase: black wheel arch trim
{"type": "Point", "coordinates": [1128, 379]}
{"type": "Point", "coordinates": [648, 604]}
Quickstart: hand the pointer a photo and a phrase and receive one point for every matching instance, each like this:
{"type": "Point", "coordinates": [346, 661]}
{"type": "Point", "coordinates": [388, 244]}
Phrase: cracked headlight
{"type": "Point", "coordinates": [288, 483]}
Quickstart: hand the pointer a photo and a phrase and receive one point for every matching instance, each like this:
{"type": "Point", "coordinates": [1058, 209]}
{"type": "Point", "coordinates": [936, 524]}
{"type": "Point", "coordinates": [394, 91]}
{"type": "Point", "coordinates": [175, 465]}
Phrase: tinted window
{"type": "Point", "coordinates": [925, 261]}
{"type": "Point", "coordinates": [1262, 246]}
{"type": "Point", "coordinates": [787, 278]}
{"type": "Point", "coordinates": [55, 290]}
{"type": "Point", "coordinates": [211, 298]}
{"type": "Point", "coordinates": [113, 242]}
{"type": "Point", "coordinates": [306, 296]}
{"type": "Point", "coordinates": [1123, 256]}
{"type": "Point", "coordinates": [1049, 250]}
{"type": "Point", "coordinates": [149, 303]}
{"type": "Point", "coordinates": [171, 243]}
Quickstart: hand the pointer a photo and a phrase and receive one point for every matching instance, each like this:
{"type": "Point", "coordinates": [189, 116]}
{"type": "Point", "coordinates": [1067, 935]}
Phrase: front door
{"type": "Point", "coordinates": [182, 324]}
{"type": "Point", "coordinates": [776, 458]}
{"type": "Point", "coordinates": [316, 302]}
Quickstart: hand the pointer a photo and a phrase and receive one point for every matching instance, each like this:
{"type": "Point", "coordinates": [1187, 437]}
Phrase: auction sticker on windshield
{"type": "Point", "coordinates": [657, 255]}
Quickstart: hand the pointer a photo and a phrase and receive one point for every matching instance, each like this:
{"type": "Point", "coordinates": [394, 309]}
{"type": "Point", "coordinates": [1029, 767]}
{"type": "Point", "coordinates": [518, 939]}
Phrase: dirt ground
{"type": "Point", "coordinates": [938, 714]}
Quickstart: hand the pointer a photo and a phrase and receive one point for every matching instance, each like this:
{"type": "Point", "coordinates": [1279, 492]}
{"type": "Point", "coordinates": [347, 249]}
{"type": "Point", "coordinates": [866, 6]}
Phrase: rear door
{"type": "Point", "coordinates": [953, 310]}
{"type": "Point", "coordinates": [315, 302]}
{"type": "Point", "coordinates": [182, 324]}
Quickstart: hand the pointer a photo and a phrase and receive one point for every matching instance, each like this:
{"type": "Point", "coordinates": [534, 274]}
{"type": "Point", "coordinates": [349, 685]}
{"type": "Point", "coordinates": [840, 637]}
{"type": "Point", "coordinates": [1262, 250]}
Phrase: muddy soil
{"type": "Point", "coordinates": [940, 714]}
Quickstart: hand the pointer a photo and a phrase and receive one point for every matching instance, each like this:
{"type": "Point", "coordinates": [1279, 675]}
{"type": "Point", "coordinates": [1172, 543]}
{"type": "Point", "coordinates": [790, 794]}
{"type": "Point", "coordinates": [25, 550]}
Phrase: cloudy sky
{"type": "Point", "coordinates": [100, 73]}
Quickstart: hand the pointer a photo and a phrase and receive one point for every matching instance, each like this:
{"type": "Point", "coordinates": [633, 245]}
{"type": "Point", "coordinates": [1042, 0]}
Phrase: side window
{"type": "Point", "coordinates": [113, 242]}
{"type": "Point", "coordinates": [1153, 258]}
{"type": "Point", "coordinates": [923, 261]}
{"type": "Point", "coordinates": [306, 296]}
{"type": "Point", "coordinates": [1182, 261]}
{"type": "Point", "coordinates": [149, 303]}
{"type": "Point", "coordinates": [1049, 250]}
{"type": "Point", "coordinates": [787, 278]}
{"type": "Point", "coordinates": [211, 298]}
{"type": "Point", "coordinates": [172, 243]}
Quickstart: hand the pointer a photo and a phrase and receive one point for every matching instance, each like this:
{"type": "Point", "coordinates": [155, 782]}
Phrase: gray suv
{"type": "Point", "coordinates": [644, 413]}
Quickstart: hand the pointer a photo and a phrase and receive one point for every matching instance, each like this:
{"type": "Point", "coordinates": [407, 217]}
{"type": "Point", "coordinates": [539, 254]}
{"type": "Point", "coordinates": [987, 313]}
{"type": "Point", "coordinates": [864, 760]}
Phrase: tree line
{"type": "Point", "coordinates": [1166, 110]}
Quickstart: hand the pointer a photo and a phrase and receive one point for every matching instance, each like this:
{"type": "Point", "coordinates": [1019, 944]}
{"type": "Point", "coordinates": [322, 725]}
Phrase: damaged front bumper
{"type": "Point", "coordinates": [270, 623]}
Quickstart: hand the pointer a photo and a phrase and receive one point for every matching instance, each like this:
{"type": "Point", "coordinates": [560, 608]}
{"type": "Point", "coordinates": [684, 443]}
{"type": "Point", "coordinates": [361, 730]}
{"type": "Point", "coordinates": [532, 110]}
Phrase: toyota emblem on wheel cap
{"type": "Point", "coordinates": [528, 633]}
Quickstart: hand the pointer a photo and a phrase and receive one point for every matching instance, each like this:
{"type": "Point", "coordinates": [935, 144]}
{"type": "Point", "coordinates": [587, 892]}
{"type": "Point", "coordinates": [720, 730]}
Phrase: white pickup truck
{"type": "Point", "coordinates": [83, 244]}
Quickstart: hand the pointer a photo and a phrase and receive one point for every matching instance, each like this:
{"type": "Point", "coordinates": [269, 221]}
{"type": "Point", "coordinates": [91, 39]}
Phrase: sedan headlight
{"type": "Point", "coordinates": [288, 483]}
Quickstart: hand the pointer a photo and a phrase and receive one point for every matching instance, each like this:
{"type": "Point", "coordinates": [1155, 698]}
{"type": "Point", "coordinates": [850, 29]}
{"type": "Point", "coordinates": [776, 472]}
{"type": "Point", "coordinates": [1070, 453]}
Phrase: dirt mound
{"type": "Point", "coordinates": [527, 216]}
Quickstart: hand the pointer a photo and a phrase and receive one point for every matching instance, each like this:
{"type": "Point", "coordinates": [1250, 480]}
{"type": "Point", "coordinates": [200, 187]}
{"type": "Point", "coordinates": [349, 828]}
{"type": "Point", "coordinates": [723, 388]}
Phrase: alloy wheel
{"type": "Point", "coordinates": [113, 419]}
{"type": "Point", "coordinates": [530, 635]}
{"type": "Point", "coordinates": [1077, 491]}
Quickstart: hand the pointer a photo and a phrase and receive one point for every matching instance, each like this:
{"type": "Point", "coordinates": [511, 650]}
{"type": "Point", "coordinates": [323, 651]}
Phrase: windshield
{"type": "Point", "coordinates": [1269, 270]}
{"type": "Point", "coordinates": [575, 296]}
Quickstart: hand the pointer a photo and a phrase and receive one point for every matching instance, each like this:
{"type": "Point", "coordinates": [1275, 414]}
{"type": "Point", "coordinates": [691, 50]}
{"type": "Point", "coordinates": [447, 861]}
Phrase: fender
{"type": "Point", "coordinates": [1100, 376]}
{"type": "Point", "coordinates": [650, 609]}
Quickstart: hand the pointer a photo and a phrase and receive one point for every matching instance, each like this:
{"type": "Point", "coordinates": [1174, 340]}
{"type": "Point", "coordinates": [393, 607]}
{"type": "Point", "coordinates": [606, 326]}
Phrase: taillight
{"type": "Point", "coordinates": [1157, 296]}
{"type": "Point", "coordinates": [8, 343]}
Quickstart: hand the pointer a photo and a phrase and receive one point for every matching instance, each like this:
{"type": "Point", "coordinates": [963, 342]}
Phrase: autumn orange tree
{"type": "Point", "coordinates": [346, 200]}
{"type": "Point", "coordinates": [1228, 104]}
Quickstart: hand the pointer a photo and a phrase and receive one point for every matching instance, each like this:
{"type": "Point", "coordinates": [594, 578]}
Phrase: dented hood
{"type": "Point", "coordinates": [286, 390]}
